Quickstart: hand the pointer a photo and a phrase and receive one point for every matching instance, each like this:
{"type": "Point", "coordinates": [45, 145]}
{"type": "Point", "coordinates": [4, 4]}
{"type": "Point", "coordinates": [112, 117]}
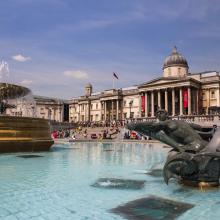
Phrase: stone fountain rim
{"type": "Point", "coordinates": [10, 86]}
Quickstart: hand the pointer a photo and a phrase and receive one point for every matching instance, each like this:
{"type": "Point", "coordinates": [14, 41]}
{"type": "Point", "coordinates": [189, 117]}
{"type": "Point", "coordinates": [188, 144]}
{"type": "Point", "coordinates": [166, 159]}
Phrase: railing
{"type": "Point", "coordinates": [203, 120]}
{"type": "Point", "coordinates": [206, 120]}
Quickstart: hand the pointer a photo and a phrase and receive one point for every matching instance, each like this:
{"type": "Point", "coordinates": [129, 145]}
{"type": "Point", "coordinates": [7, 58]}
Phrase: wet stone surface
{"type": "Point", "coordinates": [27, 156]}
{"type": "Point", "coordinates": [152, 208]}
{"type": "Point", "coordinates": [110, 183]}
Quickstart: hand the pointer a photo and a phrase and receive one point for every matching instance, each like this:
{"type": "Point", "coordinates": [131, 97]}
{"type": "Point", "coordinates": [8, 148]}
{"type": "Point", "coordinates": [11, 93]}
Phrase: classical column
{"type": "Point", "coordinates": [207, 100]}
{"type": "Point", "coordinates": [217, 96]}
{"type": "Point", "coordinates": [54, 114]}
{"type": "Point", "coordinates": [146, 105]}
{"type": "Point", "coordinates": [166, 100]}
{"type": "Point", "coordinates": [159, 99]}
{"type": "Point", "coordinates": [140, 105]}
{"type": "Point", "coordinates": [60, 112]}
{"type": "Point", "coordinates": [181, 101]}
{"type": "Point", "coordinates": [112, 109]}
{"type": "Point", "coordinates": [105, 108]}
{"type": "Point", "coordinates": [86, 110]}
{"type": "Point", "coordinates": [89, 111]}
{"type": "Point", "coordinates": [152, 104]}
{"type": "Point", "coordinates": [79, 113]}
{"type": "Point", "coordinates": [197, 101]}
{"type": "Point", "coordinates": [117, 105]}
{"type": "Point", "coordinates": [173, 101]}
{"type": "Point", "coordinates": [189, 101]}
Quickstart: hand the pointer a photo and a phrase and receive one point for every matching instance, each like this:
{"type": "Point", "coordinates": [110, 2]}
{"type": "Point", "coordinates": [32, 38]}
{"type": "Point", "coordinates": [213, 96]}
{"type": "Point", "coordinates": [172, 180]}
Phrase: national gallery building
{"type": "Point", "coordinates": [177, 91]}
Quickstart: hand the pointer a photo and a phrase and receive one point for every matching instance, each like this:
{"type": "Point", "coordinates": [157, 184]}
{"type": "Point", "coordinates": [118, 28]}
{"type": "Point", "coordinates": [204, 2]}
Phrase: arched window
{"type": "Point", "coordinates": [169, 71]}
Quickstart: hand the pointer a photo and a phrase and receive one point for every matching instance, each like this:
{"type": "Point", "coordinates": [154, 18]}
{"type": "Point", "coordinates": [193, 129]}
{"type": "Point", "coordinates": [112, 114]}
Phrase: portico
{"type": "Point", "coordinates": [111, 103]}
{"type": "Point", "coordinates": [176, 96]}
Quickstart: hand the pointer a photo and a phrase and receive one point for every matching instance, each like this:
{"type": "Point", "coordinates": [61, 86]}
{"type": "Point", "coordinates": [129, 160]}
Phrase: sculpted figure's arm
{"type": "Point", "coordinates": [163, 137]}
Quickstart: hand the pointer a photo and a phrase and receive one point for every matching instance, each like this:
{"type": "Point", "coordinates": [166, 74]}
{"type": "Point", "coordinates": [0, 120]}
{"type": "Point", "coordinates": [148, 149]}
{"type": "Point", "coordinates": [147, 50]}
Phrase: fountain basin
{"type": "Point", "coordinates": [11, 91]}
{"type": "Point", "coordinates": [23, 134]}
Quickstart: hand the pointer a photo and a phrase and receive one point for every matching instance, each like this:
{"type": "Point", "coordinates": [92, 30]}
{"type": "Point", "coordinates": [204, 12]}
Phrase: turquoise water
{"type": "Point", "coordinates": [58, 185]}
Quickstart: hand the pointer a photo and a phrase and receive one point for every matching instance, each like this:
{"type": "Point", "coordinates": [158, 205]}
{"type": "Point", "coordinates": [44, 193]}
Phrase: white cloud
{"type": "Point", "coordinates": [20, 58]}
{"type": "Point", "coordinates": [77, 74]}
{"type": "Point", "coordinates": [26, 82]}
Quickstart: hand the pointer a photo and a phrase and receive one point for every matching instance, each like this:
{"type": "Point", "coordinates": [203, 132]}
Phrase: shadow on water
{"type": "Point", "coordinates": [152, 208]}
{"type": "Point", "coordinates": [28, 156]}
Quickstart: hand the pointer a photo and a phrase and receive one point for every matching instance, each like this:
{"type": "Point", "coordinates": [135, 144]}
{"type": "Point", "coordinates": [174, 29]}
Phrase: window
{"type": "Point", "coordinates": [96, 105]}
{"type": "Point", "coordinates": [124, 103]}
{"type": "Point", "coordinates": [212, 94]}
{"type": "Point", "coordinates": [169, 71]}
{"type": "Point", "coordinates": [131, 103]}
{"type": "Point", "coordinates": [91, 106]}
{"type": "Point", "coordinates": [132, 115]}
{"type": "Point", "coordinates": [125, 115]}
{"type": "Point", "coordinates": [179, 70]}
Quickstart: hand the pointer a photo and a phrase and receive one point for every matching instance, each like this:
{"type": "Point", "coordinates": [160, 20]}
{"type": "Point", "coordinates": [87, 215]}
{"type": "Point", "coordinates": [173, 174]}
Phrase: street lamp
{"type": "Point", "coordinates": [130, 105]}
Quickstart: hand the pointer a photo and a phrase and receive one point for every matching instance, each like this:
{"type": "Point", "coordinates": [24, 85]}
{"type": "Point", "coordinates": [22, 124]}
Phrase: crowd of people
{"type": "Point", "coordinates": [97, 130]}
{"type": "Point", "coordinates": [103, 124]}
{"type": "Point", "coordinates": [83, 133]}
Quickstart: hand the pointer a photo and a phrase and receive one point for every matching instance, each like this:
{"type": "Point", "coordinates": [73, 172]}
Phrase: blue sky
{"type": "Point", "coordinates": [55, 47]}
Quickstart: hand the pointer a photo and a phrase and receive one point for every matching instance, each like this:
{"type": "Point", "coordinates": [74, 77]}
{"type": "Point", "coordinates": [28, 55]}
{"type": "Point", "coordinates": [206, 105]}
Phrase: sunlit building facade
{"type": "Point", "coordinates": [178, 91]}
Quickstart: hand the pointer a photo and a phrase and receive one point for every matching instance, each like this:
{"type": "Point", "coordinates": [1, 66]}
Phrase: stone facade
{"type": "Point", "coordinates": [50, 108]}
{"type": "Point", "coordinates": [105, 106]}
{"type": "Point", "coordinates": [41, 107]}
{"type": "Point", "coordinates": [177, 91]}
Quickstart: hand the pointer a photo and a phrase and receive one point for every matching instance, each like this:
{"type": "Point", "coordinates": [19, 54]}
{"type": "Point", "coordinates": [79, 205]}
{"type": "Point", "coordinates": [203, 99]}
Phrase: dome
{"type": "Point", "coordinates": [175, 59]}
{"type": "Point", "coordinates": [89, 85]}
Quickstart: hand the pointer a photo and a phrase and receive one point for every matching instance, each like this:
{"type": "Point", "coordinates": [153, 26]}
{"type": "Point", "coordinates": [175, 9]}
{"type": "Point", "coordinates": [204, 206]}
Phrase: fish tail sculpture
{"type": "Point", "coordinates": [193, 159]}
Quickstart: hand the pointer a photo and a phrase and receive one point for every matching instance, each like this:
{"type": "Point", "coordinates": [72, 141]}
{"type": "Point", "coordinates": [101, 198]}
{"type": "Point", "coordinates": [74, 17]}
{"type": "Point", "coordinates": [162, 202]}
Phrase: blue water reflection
{"type": "Point", "coordinates": [58, 184]}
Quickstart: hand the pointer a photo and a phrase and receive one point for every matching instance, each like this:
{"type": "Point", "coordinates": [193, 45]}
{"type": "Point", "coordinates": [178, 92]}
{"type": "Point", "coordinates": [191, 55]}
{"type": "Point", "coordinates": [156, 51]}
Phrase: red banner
{"type": "Point", "coordinates": [143, 103]}
{"type": "Point", "coordinates": [185, 98]}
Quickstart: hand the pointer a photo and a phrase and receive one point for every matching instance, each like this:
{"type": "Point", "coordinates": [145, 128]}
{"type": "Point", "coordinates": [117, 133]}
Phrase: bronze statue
{"type": "Point", "coordinates": [193, 159]}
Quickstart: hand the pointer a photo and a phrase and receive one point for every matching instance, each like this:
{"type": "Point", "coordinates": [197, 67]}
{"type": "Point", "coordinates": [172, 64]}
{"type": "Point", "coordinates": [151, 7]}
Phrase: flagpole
{"type": "Point", "coordinates": [113, 82]}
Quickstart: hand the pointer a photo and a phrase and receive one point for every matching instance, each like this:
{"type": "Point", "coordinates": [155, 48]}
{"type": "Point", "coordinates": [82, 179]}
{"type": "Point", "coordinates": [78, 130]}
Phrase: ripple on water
{"type": "Point", "coordinates": [119, 183]}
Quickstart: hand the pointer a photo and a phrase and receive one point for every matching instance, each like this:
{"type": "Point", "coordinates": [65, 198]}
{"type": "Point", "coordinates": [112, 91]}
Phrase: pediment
{"type": "Point", "coordinates": [158, 81]}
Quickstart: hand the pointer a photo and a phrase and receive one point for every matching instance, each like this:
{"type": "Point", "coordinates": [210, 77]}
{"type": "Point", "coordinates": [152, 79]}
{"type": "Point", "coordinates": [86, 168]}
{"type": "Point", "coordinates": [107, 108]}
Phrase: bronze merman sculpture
{"type": "Point", "coordinates": [193, 159]}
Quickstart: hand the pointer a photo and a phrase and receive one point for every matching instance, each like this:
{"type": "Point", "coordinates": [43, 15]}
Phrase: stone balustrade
{"type": "Point", "coordinates": [203, 120]}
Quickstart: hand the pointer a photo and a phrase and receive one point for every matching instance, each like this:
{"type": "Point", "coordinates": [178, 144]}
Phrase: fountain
{"type": "Point", "coordinates": [193, 160]}
{"type": "Point", "coordinates": [20, 134]}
